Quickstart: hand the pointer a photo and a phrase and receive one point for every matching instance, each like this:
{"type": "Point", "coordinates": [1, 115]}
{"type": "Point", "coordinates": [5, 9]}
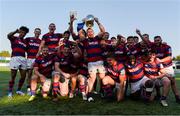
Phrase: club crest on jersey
{"type": "Point", "coordinates": [93, 43]}
{"type": "Point", "coordinates": [34, 44]}
{"type": "Point", "coordinates": [54, 39]}
{"type": "Point", "coordinates": [134, 52]}
{"type": "Point", "coordinates": [118, 52]}
{"type": "Point", "coordinates": [160, 55]}
{"type": "Point", "coordinates": [46, 64]}
{"type": "Point", "coordinates": [64, 63]}
{"type": "Point", "coordinates": [21, 43]}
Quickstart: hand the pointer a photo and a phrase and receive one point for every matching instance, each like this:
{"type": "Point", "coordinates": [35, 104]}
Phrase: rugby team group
{"type": "Point", "coordinates": [62, 67]}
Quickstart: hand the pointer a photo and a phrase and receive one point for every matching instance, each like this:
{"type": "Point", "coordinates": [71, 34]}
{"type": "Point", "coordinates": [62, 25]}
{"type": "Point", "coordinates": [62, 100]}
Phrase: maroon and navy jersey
{"type": "Point", "coordinates": [67, 43]}
{"type": "Point", "coordinates": [132, 50]}
{"type": "Point", "coordinates": [120, 53]}
{"type": "Point", "coordinates": [66, 63]}
{"type": "Point", "coordinates": [135, 72]}
{"type": "Point", "coordinates": [52, 40]}
{"type": "Point", "coordinates": [93, 49]}
{"type": "Point", "coordinates": [151, 69]}
{"type": "Point", "coordinates": [45, 65]}
{"type": "Point", "coordinates": [18, 46]}
{"type": "Point", "coordinates": [115, 71]}
{"type": "Point", "coordinates": [32, 46]}
{"type": "Point", "coordinates": [106, 49]}
{"type": "Point", "coordinates": [142, 49]}
{"type": "Point", "coordinates": [83, 70]}
{"type": "Point", "coordinates": [163, 51]}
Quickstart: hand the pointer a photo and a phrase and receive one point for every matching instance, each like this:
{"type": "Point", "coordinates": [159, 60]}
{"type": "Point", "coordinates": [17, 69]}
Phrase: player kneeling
{"type": "Point", "coordinates": [42, 71]}
{"type": "Point", "coordinates": [153, 71]}
{"type": "Point", "coordinates": [83, 78]}
{"type": "Point", "coordinates": [115, 76]}
{"type": "Point", "coordinates": [141, 86]}
{"type": "Point", "coordinates": [64, 72]}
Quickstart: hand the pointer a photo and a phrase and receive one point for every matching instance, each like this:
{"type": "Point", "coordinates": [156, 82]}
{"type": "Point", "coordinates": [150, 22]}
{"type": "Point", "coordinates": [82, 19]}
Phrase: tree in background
{"type": "Point", "coordinates": [5, 54]}
{"type": "Point", "coordinates": [177, 58]}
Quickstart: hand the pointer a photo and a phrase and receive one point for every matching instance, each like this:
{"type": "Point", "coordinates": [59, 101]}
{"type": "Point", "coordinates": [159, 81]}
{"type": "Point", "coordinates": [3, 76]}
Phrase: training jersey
{"type": "Point", "coordinates": [93, 49]}
{"type": "Point", "coordinates": [120, 53]}
{"type": "Point", "coordinates": [132, 50]}
{"type": "Point", "coordinates": [52, 41]}
{"type": "Point", "coordinates": [18, 46]}
{"type": "Point", "coordinates": [66, 63]}
{"type": "Point", "coordinates": [135, 72]}
{"type": "Point", "coordinates": [106, 49]}
{"type": "Point", "coordinates": [152, 69]}
{"type": "Point", "coordinates": [115, 71]}
{"type": "Point", "coordinates": [32, 46]}
{"type": "Point", "coordinates": [45, 65]}
{"type": "Point", "coordinates": [163, 51]}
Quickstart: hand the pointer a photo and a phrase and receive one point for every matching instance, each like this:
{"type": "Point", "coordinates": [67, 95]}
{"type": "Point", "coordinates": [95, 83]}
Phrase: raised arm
{"type": "Point", "coordinates": [72, 19]}
{"type": "Point", "coordinates": [101, 27]}
{"type": "Point", "coordinates": [140, 35]}
{"type": "Point", "coordinates": [11, 34]}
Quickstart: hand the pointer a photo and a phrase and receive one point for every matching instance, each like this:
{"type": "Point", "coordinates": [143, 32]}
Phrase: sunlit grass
{"type": "Point", "coordinates": [19, 105]}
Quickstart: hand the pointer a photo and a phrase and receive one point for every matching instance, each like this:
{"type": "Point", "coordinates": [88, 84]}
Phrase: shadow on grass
{"type": "Point", "coordinates": [19, 105]}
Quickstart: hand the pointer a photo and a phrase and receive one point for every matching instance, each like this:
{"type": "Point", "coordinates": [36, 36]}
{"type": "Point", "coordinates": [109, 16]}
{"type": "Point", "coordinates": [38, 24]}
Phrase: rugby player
{"type": "Point", "coordinates": [18, 60]}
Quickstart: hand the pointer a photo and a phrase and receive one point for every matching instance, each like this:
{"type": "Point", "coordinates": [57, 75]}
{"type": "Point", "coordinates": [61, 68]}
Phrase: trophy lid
{"type": "Point", "coordinates": [89, 17]}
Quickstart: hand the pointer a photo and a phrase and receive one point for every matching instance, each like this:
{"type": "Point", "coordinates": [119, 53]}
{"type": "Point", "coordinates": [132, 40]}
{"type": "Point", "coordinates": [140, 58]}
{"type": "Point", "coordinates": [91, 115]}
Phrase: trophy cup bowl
{"type": "Point", "coordinates": [89, 20]}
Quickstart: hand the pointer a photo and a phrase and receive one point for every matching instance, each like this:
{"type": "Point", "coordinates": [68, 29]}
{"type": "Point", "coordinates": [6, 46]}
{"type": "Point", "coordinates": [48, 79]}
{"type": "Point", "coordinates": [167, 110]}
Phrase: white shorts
{"type": "Point", "coordinates": [96, 67]}
{"type": "Point", "coordinates": [159, 82]}
{"type": "Point", "coordinates": [169, 70]}
{"type": "Point", "coordinates": [137, 85]}
{"type": "Point", "coordinates": [64, 87]}
{"type": "Point", "coordinates": [30, 63]}
{"type": "Point", "coordinates": [18, 62]}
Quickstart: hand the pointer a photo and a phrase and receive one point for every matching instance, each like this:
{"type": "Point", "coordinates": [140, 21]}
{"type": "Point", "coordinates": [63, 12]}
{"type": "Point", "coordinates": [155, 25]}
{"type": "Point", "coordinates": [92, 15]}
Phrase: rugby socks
{"type": "Point", "coordinates": [33, 92]}
{"type": "Point", "coordinates": [20, 84]}
{"type": "Point", "coordinates": [55, 88]}
{"type": "Point", "coordinates": [177, 98]}
{"type": "Point", "coordinates": [89, 95]}
{"type": "Point", "coordinates": [163, 97]}
{"type": "Point", "coordinates": [82, 88]}
{"type": "Point", "coordinates": [11, 84]}
{"type": "Point", "coordinates": [108, 90]}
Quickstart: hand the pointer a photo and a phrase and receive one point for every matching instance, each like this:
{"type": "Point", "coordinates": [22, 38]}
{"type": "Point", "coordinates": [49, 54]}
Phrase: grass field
{"type": "Point", "coordinates": [20, 106]}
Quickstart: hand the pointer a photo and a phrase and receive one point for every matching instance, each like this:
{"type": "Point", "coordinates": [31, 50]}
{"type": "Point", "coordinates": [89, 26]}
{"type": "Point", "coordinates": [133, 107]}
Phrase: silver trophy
{"type": "Point", "coordinates": [89, 21]}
